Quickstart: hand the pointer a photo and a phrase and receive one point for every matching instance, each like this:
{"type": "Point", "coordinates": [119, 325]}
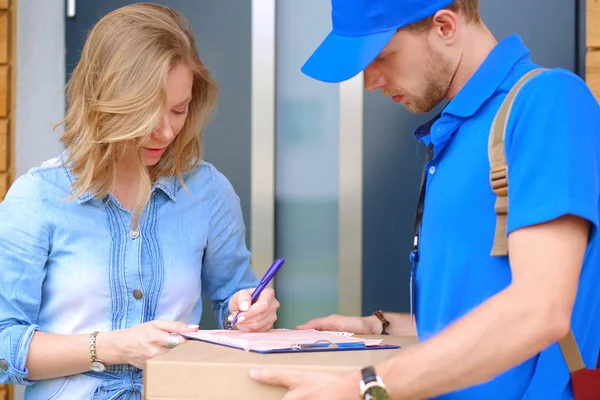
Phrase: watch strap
{"type": "Point", "coordinates": [384, 322]}
{"type": "Point", "coordinates": [95, 363]}
{"type": "Point", "coordinates": [93, 345]}
{"type": "Point", "coordinates": [368, 374]}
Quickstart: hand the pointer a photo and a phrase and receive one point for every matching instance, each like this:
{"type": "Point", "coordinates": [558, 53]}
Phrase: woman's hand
{"type": "Point", "coordinates": [143, 342]}
{"type": "Point", "coordinates": [258, 317]}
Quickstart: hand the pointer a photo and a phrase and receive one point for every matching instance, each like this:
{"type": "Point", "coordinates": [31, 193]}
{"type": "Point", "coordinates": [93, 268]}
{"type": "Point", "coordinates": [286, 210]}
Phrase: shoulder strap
{"type": "Point", "coordinates": [498, 166]}
{"type": "Point", "coordinates": [499, 183]}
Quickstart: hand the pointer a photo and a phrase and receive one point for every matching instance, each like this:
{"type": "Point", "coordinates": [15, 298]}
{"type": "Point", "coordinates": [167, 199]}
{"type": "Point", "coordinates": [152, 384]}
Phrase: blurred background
{"type": "Point", "coordinates": [327, 174]}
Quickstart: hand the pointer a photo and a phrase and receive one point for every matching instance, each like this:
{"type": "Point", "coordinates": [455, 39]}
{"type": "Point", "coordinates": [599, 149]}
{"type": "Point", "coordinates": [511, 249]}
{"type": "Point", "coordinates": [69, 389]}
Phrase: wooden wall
{"type": "Point", "coordinates": [6, 392]}
{"type": "Point", "coordinates": [7, 80]}
{"type": "Point", "coordinates": [593, 46]}
{"type": "Point", "coordinates": [7, 105]}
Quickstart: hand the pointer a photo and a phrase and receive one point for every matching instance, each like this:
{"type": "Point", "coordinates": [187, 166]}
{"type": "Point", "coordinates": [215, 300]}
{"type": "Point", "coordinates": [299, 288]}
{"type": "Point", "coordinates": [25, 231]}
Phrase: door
{"type": "Point", "coordinates": [223, 35]}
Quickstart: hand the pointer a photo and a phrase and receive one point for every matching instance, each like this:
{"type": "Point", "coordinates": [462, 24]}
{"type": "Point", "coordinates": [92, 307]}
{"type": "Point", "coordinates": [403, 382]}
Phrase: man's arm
{"type": "Point", "coordinates": [536, 308]}
{"type": "Point", "coordinates": [400, 324]}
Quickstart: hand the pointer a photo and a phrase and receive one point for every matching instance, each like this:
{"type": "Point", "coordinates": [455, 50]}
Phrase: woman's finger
{"type": "Point", "coordinates": [261, 322]}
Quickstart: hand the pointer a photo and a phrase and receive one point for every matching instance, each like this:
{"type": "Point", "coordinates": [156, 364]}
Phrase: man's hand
{"type": "Point", "coordinates": [306, 385]}
{"type": "Point", "coordinates": [359, 325]}
{"type": "Point", "coordinates": [258, 317]}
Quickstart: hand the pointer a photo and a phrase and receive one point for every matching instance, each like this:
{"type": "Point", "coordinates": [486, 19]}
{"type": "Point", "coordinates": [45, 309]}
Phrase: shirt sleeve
{"type": "Point", "coordinates": [226, 268]}
{"type": "Point", "coordinates": [24, 245]}
{"type": "Point", "coordinates": [553, 151]}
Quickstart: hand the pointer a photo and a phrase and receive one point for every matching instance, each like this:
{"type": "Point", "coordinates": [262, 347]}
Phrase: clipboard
{"type": "Point", "coordinates": [322, 345]}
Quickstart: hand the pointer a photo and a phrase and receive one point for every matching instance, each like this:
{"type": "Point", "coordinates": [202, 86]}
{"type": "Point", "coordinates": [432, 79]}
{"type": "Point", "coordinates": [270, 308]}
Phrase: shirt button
{"type": "Point", "coordinates": [432, 170]}
{"type": "Point", "coordinates": [3, 365]}
{"type": "Point", "coordinates": [134, 234]}
{"type": "Point", "coordinates": [137, 294]}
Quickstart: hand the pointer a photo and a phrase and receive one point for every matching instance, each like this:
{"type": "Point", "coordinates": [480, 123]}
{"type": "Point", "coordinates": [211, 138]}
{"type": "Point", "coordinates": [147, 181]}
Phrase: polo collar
{"type": "Point", "coordinates": [477, 90]}
{"type": "Point", "coordinates": [488, 77]}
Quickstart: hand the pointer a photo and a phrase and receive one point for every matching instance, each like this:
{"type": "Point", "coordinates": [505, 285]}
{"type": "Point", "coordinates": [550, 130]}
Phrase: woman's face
{"type": "Point", "coordinates": [179, 95]}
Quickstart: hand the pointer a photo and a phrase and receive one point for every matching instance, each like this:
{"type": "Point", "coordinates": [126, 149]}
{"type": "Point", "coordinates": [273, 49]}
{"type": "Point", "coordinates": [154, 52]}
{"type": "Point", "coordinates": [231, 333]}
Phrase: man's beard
{"type": "Point", "coordinates": [438, 77]}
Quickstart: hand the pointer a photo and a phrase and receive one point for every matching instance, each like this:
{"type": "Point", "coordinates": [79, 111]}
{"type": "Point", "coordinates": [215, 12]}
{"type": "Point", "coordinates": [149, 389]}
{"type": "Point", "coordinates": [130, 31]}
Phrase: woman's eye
{"type": "Point", "coordinates": [180, 112]}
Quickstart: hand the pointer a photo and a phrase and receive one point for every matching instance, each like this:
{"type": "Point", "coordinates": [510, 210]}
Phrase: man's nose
{"type": "Point", "coordinates": [373, 79]}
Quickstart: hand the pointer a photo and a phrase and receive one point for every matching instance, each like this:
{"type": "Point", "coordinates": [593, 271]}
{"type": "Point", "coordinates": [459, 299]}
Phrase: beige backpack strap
{"type": "Point", "coordinates": [571, 353]}
{"type": "Point", "coordinates": [499, 182]}
{"type": "Point", "coordinates": [498, 166]}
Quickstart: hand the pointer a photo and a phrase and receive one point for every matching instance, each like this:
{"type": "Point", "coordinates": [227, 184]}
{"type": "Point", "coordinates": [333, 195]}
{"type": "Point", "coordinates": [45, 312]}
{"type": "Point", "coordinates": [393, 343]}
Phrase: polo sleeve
{"type": "Point", "coordinates": [553, 151]}
{"type": "Point", "coordinates": [24, 244]}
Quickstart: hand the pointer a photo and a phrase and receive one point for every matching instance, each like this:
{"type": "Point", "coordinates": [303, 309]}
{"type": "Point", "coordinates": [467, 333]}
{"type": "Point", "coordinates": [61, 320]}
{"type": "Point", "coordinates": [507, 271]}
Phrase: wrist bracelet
{"type": "Point", "coordinates": [384, 322]}
{"type": "Point", "coordinates": [227, 322]}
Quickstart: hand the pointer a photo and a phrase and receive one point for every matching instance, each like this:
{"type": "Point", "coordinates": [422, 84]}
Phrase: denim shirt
{"type": "Point", "coordinates": [74, 266]}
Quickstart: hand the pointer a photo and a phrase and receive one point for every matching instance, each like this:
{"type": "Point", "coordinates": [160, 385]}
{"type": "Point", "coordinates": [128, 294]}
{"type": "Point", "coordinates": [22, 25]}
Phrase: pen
{"type": "Point", "coordinates": [263, 283]}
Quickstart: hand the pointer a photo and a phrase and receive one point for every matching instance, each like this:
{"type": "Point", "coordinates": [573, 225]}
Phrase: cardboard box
{"type": "Point", "coordinates": [198, 370]}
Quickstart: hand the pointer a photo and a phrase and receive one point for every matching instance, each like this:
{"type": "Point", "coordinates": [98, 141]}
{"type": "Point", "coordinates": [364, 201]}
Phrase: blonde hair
{"type": "Point", "coordinates": [116, 98]}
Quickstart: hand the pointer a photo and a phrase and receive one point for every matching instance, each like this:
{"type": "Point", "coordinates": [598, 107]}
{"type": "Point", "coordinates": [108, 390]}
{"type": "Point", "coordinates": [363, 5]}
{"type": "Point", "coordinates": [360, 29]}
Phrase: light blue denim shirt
{"type": "Point", "coordinates": [71, 267]}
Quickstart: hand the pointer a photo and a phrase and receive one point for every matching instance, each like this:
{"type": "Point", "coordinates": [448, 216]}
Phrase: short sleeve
{"type": "Point", "coordinates": [552, 151]}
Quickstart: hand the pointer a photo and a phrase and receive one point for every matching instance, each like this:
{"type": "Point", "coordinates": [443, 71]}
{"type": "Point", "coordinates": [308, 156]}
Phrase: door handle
{"type": "Point", "coordinates": [71, 8]}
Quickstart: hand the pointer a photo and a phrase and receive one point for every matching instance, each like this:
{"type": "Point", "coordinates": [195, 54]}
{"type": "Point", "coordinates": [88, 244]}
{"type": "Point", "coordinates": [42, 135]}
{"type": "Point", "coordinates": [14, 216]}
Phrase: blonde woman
{"type": "Point", "coordinates": [106, 250]}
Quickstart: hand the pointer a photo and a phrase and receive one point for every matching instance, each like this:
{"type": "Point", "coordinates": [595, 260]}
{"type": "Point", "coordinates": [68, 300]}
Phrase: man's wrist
{"type": "Point", "coordinates": [374, 325]}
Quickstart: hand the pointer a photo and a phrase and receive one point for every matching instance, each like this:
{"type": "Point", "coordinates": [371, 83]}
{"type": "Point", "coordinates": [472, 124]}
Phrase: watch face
{"type": "Point", "coordinates": [97, 366]}
{"type": "Point", "coordinates": [376, 393]}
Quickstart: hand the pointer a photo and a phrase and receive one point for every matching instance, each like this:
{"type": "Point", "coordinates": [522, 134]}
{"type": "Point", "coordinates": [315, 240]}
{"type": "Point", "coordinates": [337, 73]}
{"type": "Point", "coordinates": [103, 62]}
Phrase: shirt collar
{"type": "Point", "coordinates": [477, 90]}
{"type": "Point", "coordinates": [488, 77]}
{"type": "Point", "coordinates": [168, 184]}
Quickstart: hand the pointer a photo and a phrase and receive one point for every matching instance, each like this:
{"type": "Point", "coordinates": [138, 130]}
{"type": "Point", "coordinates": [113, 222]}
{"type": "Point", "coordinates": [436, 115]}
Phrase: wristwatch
{"type": "Point", "coordinates": [227, 323]}
{"type": "Point", "coordinates": [372, 386]}
{"type": "Point", "coordinates": [96, 365]}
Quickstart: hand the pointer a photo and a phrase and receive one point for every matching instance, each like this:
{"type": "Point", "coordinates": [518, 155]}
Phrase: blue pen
{"type": "Point", "coordinates": [263, 283]}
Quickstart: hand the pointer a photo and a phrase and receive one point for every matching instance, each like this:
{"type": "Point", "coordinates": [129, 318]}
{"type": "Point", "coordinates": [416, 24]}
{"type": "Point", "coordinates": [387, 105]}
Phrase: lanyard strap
{"type": "Point", "coordinates": [414, 254]}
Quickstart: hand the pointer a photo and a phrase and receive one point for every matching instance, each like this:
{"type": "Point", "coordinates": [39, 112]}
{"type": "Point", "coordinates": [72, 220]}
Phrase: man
{"type": "Point", "coordinates": [488, 326]}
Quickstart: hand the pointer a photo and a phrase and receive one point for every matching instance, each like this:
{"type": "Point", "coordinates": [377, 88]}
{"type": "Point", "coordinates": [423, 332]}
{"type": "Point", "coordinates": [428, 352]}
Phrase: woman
{"type": "Point", "coordinates": [105, 251]}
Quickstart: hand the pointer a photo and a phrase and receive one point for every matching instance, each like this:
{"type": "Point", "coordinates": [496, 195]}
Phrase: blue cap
{"type": "Point", "coordinates": [361, 29]}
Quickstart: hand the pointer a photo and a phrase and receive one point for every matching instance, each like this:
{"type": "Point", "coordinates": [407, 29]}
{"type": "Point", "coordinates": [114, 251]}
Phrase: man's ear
{"type": "Point", "coordinates": [445, 26]}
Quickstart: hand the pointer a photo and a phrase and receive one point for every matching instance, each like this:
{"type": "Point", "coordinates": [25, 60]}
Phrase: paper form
{"type": "Point", "coordinates": [276, 339]}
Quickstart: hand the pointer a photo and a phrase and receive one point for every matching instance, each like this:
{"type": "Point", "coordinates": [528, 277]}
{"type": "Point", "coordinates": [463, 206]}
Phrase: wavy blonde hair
{"type": "Point", "coordinates": [116, 98]}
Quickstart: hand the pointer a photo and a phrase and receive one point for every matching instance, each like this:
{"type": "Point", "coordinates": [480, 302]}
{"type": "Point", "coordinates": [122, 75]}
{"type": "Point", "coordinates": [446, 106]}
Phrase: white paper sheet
{"type": "Point", "coordinates": [278, 339]}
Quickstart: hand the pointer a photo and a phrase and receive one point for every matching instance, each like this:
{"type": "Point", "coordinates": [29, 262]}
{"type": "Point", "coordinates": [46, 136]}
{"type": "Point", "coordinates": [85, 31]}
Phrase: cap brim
{"type": "Point", "coordinates": [340, 58]}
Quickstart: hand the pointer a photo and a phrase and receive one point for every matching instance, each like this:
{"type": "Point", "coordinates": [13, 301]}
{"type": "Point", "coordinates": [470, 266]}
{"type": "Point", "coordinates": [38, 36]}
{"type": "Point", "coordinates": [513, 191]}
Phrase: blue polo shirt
{"type": "Point", "coordinates": [553, 152]}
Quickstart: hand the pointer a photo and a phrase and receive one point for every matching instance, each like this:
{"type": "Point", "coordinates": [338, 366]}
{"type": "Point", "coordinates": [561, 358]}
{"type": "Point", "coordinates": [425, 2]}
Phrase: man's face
{"type": "Point", "coordinates": [411, 71]}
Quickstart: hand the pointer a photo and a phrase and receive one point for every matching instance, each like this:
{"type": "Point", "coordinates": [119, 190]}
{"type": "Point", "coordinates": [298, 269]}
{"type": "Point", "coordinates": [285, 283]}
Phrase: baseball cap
{"type": "Point", "coordinates": [361, 29]}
